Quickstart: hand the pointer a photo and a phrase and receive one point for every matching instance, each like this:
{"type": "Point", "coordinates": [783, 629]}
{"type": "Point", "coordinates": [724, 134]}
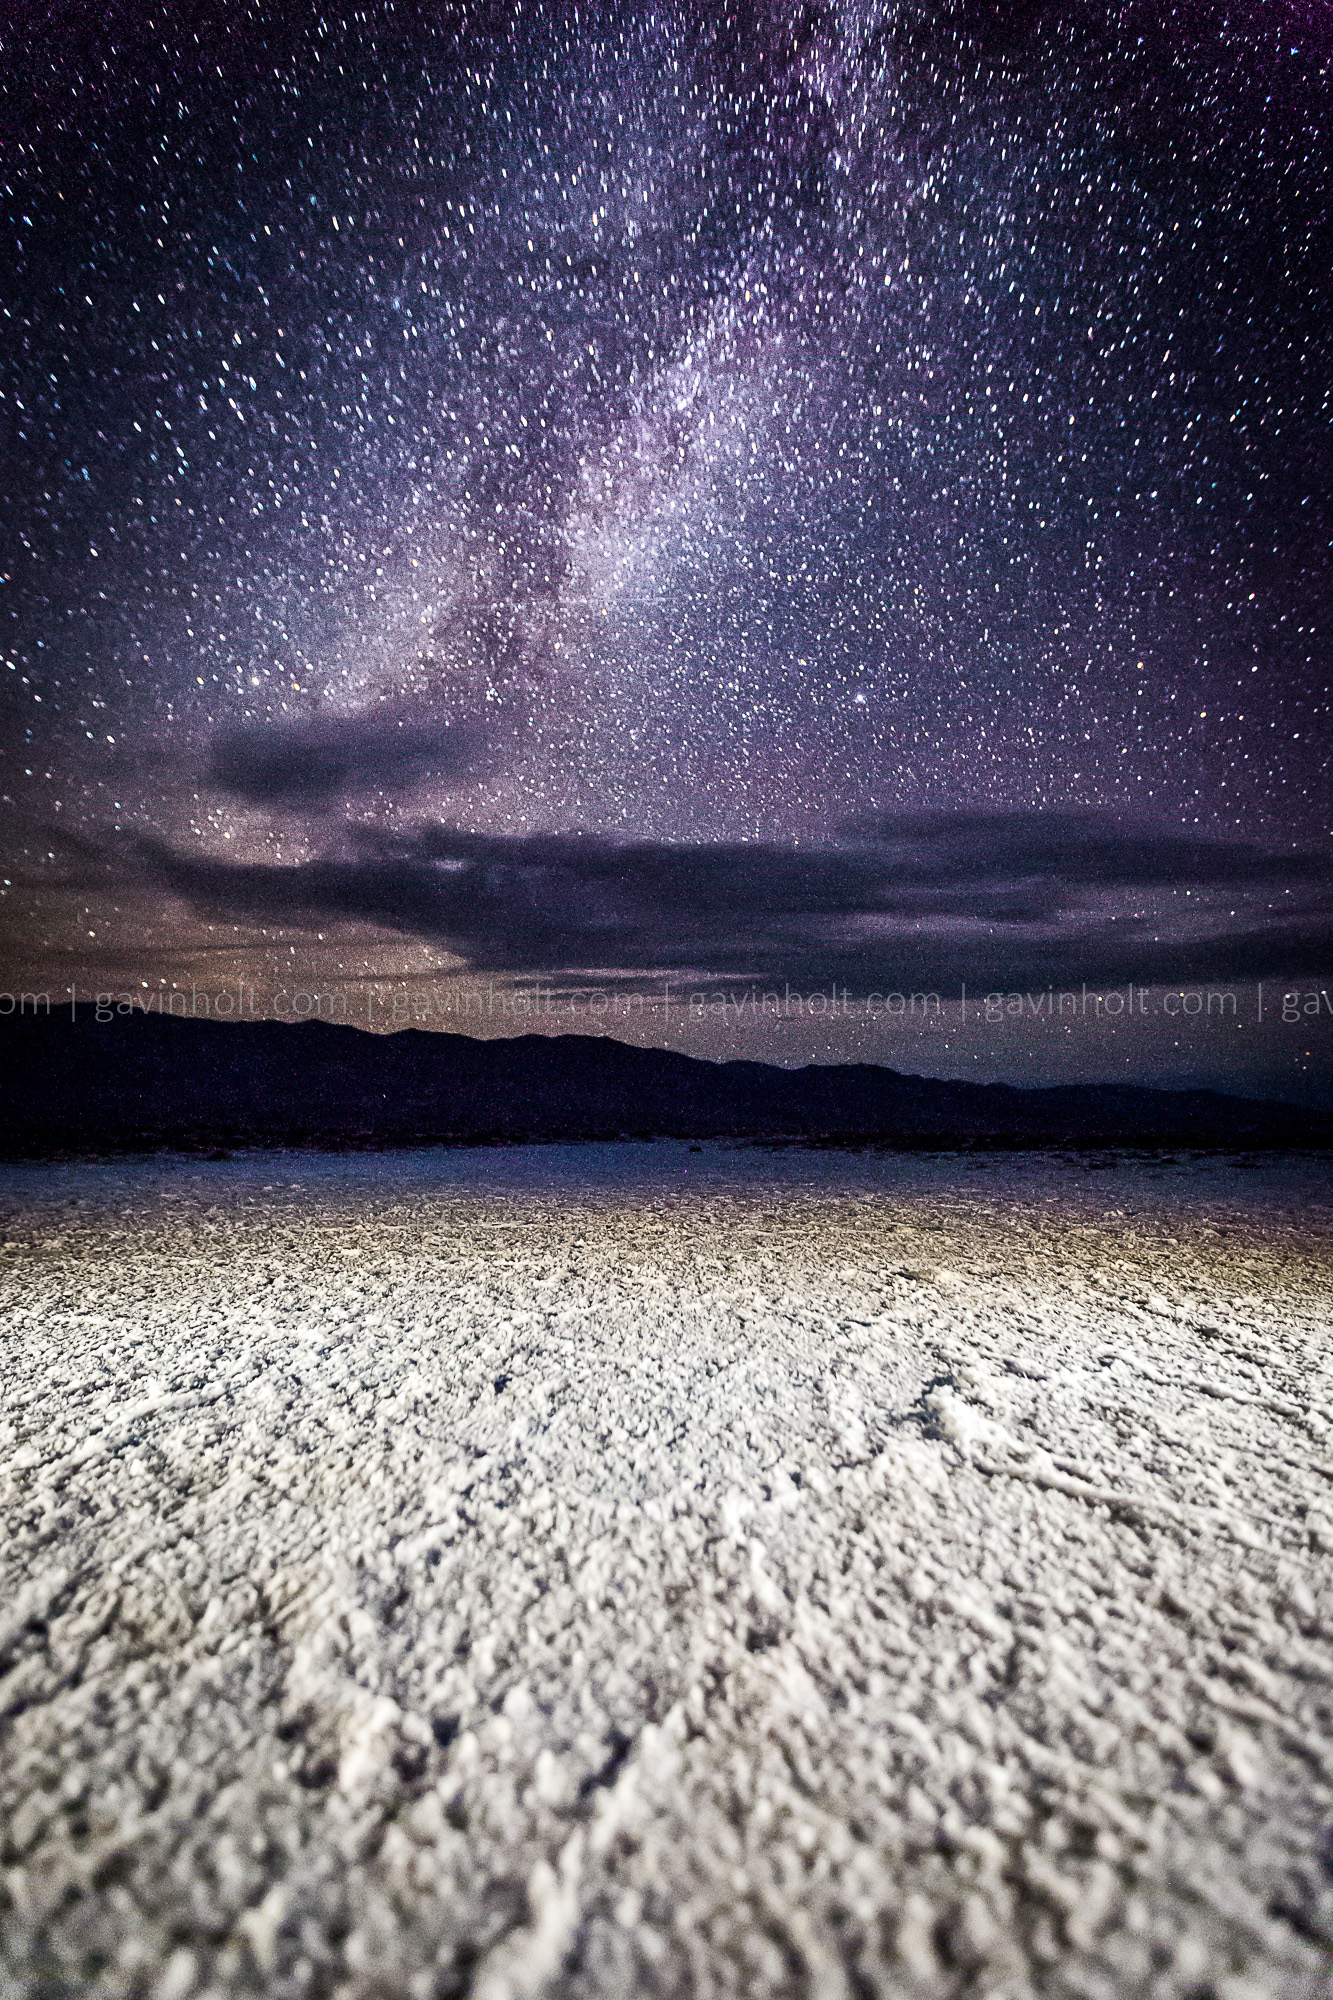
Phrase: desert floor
{"type": "Point", "coordinates": [642, 1571]}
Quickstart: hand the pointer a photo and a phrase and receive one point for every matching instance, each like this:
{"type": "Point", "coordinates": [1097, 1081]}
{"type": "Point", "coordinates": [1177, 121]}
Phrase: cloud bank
{"type": "Point", "coordinates": [999, 898]}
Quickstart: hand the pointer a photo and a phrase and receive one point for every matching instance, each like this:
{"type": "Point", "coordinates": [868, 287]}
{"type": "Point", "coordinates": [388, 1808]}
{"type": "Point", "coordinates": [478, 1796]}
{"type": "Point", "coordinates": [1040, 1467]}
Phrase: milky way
{"type": "Point", "coordinates": [685, 428]}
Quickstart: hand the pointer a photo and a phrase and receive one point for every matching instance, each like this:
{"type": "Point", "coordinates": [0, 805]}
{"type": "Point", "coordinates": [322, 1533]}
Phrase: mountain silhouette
{"type": "Point", "coordinates": [79, 1085]}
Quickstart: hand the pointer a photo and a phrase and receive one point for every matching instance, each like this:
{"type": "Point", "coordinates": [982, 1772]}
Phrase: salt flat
{"type": "Point", "coordinates": [643, 1571]}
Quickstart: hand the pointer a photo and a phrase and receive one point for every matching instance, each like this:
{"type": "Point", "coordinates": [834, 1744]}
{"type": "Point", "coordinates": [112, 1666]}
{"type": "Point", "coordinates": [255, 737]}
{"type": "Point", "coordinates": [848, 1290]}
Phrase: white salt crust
{"type": "Point", "coordinates": [650, 1572]}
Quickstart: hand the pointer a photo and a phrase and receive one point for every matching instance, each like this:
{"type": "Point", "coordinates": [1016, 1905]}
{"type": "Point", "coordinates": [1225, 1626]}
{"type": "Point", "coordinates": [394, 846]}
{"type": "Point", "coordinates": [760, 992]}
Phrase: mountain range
{"type": "Point", "coordinates": [75, 1084]}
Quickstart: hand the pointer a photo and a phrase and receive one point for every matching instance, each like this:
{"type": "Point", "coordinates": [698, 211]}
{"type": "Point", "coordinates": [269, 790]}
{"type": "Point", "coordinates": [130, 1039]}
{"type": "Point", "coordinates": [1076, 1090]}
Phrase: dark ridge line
{"type": "Point", "coordinates": [75, 1086]}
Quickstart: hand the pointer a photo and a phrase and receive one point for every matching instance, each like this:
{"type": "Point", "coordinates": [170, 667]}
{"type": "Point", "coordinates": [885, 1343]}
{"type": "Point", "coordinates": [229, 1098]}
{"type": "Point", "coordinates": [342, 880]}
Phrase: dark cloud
{"type": "Point", "coordinates": [308, 764]}
{"type": "Point", "coordinates": [999, 899]}
{"type": "Point", "coordinates": [1081, 849]}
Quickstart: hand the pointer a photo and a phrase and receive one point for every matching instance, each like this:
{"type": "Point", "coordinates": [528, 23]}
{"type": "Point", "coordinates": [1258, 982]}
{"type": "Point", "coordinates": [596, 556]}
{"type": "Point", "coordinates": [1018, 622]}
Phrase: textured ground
{"type": "Point", "coordinates": [643, 1572]}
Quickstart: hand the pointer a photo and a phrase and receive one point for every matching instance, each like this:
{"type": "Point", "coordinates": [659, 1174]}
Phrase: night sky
{"type": "Point", "coordinates": [828, 496]}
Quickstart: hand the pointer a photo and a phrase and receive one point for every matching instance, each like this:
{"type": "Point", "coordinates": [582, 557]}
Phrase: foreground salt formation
{"type": "Point", "coordinates": [674, 1575]}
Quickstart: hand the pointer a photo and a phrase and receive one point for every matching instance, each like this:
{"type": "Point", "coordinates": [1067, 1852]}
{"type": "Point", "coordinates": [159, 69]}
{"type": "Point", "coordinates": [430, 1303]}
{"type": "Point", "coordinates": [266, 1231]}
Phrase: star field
{"type": "Point", "coordinates": [681, 426]}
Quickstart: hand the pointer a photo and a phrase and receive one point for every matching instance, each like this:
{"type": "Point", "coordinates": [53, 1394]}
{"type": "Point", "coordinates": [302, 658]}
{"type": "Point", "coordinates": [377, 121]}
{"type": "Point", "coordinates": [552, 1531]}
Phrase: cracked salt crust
{"type": "Point", "coordinates": [628, 1571]}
